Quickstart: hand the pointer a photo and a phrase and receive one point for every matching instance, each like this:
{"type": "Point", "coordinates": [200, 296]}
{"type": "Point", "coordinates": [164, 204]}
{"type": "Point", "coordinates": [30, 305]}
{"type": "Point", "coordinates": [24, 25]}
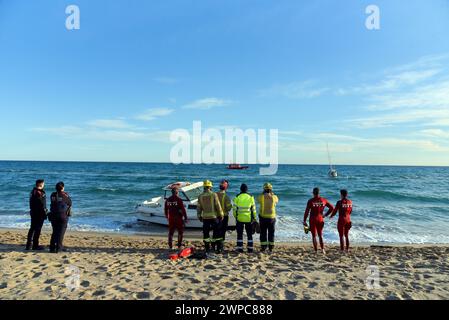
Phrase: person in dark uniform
{"type": "Point", "coordinates": [38, 213]}
{"type": "Point", "coordinates": [60, 211]}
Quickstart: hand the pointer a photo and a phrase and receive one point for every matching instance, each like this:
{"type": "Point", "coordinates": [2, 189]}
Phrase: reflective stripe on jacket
{"type": "Point", "coordinates": [244, 208]}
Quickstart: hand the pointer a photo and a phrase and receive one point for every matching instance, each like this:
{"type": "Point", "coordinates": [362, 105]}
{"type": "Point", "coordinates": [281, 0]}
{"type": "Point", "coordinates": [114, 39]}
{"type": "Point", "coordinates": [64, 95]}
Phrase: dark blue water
{"type": "Point", "coordinates": [392, 204]}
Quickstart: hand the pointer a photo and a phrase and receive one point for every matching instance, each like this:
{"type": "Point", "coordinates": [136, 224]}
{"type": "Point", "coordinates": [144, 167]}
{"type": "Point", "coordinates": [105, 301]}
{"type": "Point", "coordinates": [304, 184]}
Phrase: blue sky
{"type": "Point", "coordinates": [136, 70]}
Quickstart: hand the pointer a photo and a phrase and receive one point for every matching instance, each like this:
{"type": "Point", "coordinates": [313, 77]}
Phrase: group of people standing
{"type": "Point", "coordinates": [214, 208]}
{"type": "Point", "coordinates": [60, 211]}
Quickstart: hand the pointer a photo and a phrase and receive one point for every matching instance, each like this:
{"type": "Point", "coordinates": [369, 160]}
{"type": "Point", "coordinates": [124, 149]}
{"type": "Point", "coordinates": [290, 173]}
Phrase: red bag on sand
{"type": "Point", "coordinates": [174, 256]}
{"type": "Point", "coordinates": [183, 254]}
{"type": "Point", "coordinates": [186, 252]}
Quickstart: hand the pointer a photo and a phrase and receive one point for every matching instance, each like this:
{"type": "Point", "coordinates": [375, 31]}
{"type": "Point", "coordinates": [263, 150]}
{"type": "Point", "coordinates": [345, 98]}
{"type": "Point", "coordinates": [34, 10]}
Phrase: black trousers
{"type": "Point", "coordinates": [208, 226]}
{"type": "Point", "coordinates": [57, 236]}
{"type": "Point", "coordinates": [267, 227]}
{"type": "Point", "coordinates": [35, 231]}
{"type": "Point", "coordinates": [247, 226]}
{"type": "Point", "coordinates": [224, 227]}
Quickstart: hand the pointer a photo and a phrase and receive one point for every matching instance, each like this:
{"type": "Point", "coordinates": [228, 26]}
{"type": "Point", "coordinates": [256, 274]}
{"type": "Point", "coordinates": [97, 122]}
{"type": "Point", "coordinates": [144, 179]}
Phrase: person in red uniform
{"type": "Point", "coordinates": [176, 214]}
{"type": "Point", "coordinates": [315, 207]}
{"type": "Point", "coordinates": [344, 209]}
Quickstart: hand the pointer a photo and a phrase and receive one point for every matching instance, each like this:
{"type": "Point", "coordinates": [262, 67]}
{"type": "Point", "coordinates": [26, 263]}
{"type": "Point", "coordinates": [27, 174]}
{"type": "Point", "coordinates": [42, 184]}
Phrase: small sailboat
{"type": "Point", "coordinates": [332, 171]}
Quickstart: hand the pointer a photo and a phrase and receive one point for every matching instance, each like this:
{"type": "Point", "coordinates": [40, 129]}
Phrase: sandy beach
{"type": "Point", "coordinates": [113, 266]}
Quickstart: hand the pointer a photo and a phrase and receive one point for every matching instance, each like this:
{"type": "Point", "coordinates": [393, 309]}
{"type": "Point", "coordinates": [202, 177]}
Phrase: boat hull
{"type": "Point", "coordinates": [158, 218]}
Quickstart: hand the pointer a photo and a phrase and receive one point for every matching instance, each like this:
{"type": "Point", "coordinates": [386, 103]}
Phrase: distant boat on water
{"type": "Point", "coordinates": [235, 166]}
{"type": "Point", "coordinates": [332, 171]}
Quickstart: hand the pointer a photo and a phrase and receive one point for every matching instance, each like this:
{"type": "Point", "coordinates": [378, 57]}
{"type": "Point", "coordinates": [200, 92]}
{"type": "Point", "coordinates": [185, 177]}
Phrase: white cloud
{"type": "Point", "coordinates": [207, 103]}
{"type": "Point", "coordinates": [421, 117]}
{"type": "Point", "coordinates": [110, 124]}
{"type": "Point", "coordinates": [61, 131]}
{"type": "Point", "coordinates": [434, 95]}
{"type": "Point", "coordinates": [154, 113]}
{"type": "Point", "coordinates": [435, 133]}
{"type": "Point", "coordinates": [295, 90]}
{"type": "Point", "coordinates": [92, 134]}
{"type": "Point", "coordinates": [425, 62]}
{"type": "Point", "coordinates": [392, 82]}
{"type": "Point", "coordinates": [415, 94]}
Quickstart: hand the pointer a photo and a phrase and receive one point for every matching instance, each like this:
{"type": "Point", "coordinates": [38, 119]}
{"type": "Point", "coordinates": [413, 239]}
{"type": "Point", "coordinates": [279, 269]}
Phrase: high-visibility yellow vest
{"type": "Point", "coordinates": [209, 206]}
{"type": "Point", "coordinates": [244, 208]}
{"type": "Point", "coordinates": [225, 202]}
{"type": "Point", "coordinates": [267, 205]}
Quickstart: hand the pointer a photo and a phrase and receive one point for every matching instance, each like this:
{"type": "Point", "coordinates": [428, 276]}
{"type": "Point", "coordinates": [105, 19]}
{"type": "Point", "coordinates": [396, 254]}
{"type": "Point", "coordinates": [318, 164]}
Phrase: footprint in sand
{"type": "Point", "coordinates": [3, 285]}
{"type": "Point", "coordinates": [143, 295]}
{"type": "Point", "coordinates": [313, 285]}
{"type": "Point", "coordinates": [37, 275]}
{"type": "Point", "coordinates": [49, 281]}
{"type": "Point", "coordinates": [85, 284]}
{"type": "Point", "coordinates": [210, 267]}
{"type": "Point", "coordinates": [289, 295]}
{"type": "Point", "coordinates": [99, 293]}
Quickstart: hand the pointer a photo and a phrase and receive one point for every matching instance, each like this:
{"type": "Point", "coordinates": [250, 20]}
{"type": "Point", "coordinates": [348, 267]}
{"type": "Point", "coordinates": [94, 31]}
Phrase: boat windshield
{"type": "Point", "coordinates": [193, 194]}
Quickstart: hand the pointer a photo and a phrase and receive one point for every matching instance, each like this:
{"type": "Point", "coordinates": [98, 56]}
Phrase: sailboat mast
{"type": "Point", "coordinates": [329, 156]}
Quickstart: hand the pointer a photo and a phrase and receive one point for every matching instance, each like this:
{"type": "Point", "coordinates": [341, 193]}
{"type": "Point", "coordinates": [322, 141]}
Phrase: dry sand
{"type": "Point", "coordinates": [136, 267]}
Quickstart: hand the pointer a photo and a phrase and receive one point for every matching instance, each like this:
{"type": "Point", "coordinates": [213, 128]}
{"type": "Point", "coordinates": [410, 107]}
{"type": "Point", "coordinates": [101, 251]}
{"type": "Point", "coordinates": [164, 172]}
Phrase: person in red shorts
{"type": "Point", "coordinates": [176, 214]}
{"type": "Point", "coordinates": [315, 207]}
{"type": "Point", "coordinates": [344, 209]}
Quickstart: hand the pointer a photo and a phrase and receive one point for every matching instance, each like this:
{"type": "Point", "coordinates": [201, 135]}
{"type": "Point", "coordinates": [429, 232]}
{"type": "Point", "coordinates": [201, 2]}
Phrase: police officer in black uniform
{"type": "Point", "coordinates": [38, 213]}
{"type": "Point", "coordinates": [60, 211]}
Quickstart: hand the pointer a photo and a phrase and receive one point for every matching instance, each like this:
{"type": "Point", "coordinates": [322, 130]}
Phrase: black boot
{"type": "Point", "coordinates": [28, 246]}
{"type": "Point", "coordinates": [207, 247]}
{"type": "Point", "coordinates": [271, 247]}
{"type": "Point", "coordinates": [219, 248]}
{"type": "Point", "coordinates": [263, 248]}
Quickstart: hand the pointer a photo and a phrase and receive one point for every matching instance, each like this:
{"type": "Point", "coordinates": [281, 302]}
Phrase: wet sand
{"type": "Point", "coordinates": [115, 266]}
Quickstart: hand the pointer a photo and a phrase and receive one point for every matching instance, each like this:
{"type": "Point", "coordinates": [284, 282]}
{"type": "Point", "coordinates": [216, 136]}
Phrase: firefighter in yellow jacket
{"type": "Point", "coordinates": [226, 205]}
{"type": "Point", "coordinates": [267, 216]}
{"type": "Point", "coordinates": [210, 214]}
{"type": "Point", "coordinates": [245, 214]}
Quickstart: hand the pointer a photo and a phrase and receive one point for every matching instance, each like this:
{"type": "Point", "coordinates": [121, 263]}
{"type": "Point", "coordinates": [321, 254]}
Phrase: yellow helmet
{"type": "Point", "coordinates": [268, 186]}
{"type": "Point", "coordinates": [207, 183]}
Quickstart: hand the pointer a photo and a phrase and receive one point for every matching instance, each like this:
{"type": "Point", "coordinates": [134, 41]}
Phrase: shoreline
{"type": "Point", "coordinates": [189, 235]}
{"type": "Point", "coordinates": [102, 266]}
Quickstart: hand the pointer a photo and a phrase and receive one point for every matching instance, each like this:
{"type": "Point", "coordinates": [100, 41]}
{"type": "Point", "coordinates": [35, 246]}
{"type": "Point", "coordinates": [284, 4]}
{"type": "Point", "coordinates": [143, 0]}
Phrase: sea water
{"type": "Point", "coordinates": [392, 204]}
